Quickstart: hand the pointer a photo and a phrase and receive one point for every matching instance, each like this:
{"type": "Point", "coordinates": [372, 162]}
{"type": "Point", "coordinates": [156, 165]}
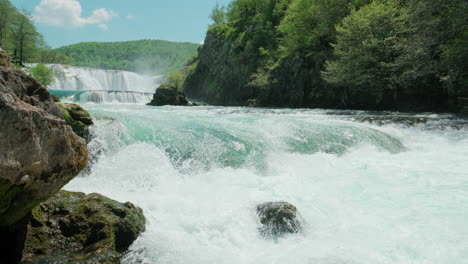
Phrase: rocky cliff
{"type": "Point", "coordinates": [225, 72]}
{"type": "Point", "coordinates": [222, 74]}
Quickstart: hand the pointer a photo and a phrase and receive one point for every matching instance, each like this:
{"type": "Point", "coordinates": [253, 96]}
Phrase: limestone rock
{"type": "Point", "coordinates": [76, 117]}
{"type": "Point", "coordinates": [72, 227]}
{"type": "Point", "coordinates": [167, 95]}
{"type": "Point", "coordinates": [278, 218]}
{"type": "Point", "coordinates": [39, 152]}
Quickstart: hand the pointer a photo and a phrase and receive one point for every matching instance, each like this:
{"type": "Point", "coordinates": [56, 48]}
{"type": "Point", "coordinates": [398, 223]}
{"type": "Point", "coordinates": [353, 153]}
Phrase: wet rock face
{"type": "Point", "coordinates": [76, 117]}
{"type": "Point", "coordinates": [39, 153]}
{"type": "Point", "coordinates": [73, 227]}
{"type": "Point", "coordinates": [278, 218]}
{"type": "Point", "coordinates": [167, 95]}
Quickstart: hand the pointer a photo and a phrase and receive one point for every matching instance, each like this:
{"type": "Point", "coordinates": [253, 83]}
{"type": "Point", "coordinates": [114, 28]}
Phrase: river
{"type": "Point", "coordinates": [371, 187]}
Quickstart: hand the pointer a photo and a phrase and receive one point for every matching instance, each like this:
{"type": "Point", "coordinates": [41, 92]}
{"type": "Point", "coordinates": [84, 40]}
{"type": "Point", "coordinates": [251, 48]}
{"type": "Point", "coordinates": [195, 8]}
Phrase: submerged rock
{"type": "Point", "coordinates": [76, 117]}
{"type": "Point", "coordinates": [168, 95]}
{"type": "Point", "coordinates": [278, 218]}
{"type": "Point", "coordinates": [72, 227]}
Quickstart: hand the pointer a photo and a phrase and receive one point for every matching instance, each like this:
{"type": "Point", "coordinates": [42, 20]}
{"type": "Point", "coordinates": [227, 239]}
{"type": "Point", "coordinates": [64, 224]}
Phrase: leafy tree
{"type": "Point", "coordinates": [25, 36]}
{"type": "Point", "coordinates": [367, 47]}
{"type": "Point", "coordinates": [218, 15]}
{"type": "Point", "coordinates": [6, 10]}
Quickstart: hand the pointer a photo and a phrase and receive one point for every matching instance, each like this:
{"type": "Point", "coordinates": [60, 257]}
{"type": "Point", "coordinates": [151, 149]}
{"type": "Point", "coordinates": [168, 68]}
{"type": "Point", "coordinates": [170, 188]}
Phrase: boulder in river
{"type": "Point", "coordinates": [168, 95]}
{"type": "Point", "coordinates": [278, 218]}
{"type": "Point", "coordinates": [72, 227]}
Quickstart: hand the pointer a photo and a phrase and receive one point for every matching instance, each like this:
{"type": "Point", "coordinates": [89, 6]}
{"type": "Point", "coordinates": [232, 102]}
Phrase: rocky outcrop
{"type": "Point", "coordinates": [76, 117]}
{"type": "Point", "coordinates": [168, 95]}
{"type": "Point", "coordinates": [278, 218]}
{"type": "Point", "coordinates": [73, 227]}
{"type": "Point", "coordinates": [222, 73]}
{"type": "Point", "coordinates": [39, 154]}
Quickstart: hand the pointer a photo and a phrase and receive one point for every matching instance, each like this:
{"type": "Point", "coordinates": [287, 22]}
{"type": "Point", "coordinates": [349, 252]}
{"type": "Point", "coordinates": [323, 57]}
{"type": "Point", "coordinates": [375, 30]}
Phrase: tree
{"type": "Point", "coordinates": [5, 14]}
{"type": "Point", "coordinates": [367, 47]}
{"type": "Point", "coordinates": [218, 15]}
{"type": "Point", "coordinates": [25, 36]}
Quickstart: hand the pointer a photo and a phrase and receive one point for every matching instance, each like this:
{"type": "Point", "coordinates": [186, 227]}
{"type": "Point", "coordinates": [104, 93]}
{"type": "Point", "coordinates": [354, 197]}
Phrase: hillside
{"type": "Point", "coordinates": [154, 56]}
{"type": "Point", "coordinates": [360, 54]}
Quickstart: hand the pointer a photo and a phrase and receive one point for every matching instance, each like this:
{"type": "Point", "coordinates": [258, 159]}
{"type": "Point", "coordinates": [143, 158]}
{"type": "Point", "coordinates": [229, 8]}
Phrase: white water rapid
{"type": "Point", "coordinates": [102, 86]}
{"type": "Point", "coordinates": [372, 188]}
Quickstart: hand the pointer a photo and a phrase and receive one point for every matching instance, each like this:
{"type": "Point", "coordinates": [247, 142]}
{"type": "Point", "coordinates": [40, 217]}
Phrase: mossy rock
{"type": "Point", "coordinates": [168, 95]}
{"type": "Point", "coordinates": [76, 117]}
{"type": "Point", "coordinates": [72, 227]}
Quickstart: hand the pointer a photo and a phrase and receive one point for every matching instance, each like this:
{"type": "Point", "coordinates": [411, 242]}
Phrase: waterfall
{"type": "Point", "coordinates": [102, 86]}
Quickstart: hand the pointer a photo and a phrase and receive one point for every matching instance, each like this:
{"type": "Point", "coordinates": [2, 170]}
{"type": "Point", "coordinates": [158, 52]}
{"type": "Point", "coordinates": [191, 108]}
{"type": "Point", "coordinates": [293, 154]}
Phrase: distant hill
{"type": "Point", "coordinates": [153, 56]}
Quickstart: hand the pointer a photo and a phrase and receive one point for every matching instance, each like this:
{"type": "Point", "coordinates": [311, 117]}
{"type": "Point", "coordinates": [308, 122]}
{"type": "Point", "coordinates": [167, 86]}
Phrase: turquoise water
{"type": "Point", "coordinates": [372, 187]}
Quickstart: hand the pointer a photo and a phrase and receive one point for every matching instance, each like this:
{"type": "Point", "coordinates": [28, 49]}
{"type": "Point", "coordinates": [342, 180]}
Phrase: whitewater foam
{"type": "Point", "coordinates": [388, 194]}
{"type": "Point", "coordinates": [81, 84]}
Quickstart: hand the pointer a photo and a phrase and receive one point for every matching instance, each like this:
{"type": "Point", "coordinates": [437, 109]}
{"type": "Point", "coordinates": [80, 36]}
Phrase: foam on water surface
{"type": "Point", "coordinates": [394, 193]}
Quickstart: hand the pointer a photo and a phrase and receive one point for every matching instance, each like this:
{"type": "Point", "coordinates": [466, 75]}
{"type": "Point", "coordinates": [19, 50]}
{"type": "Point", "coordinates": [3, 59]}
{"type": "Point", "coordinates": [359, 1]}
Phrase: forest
{"type": "Point", "coordinates": [21, 40]}
{"type": "Point", "coordinates": [148, 56]}
{"type": "Point", "coordinates": [374, 48]}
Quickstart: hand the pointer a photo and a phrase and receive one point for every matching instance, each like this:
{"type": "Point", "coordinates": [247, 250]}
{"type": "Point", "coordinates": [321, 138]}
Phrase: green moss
{"type": "Point", "coordinates": [77, 228]}
{"type": "Point", "coordinates": [77, 126]}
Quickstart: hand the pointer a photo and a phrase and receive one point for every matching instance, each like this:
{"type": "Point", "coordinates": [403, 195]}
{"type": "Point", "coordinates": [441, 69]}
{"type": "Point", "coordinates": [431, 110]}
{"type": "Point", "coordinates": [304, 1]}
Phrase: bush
{"type": "Point", "coordinates": [42, 74]}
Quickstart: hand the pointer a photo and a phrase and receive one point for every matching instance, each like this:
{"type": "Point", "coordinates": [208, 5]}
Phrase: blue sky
{"type": "Point", "coordinates": [64, 22]}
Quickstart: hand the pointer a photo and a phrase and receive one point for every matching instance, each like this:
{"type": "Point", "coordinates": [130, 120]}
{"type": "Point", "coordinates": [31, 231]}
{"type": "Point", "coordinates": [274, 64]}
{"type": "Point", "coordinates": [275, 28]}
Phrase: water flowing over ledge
{"type": "Point", "coordinates": [83, 85]}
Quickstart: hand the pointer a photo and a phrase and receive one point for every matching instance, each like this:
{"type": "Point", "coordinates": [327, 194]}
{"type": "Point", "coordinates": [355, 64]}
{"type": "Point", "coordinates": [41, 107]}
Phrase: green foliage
{"type": "Point", "coordinates": [417, 47]}
{"type": "Point", "coordinates": [42, 74]}
{"type": "Point", "coordinates": [391, 45]}
{"type": "Point", "coordinates": [368, 46]}
{"type": "Point", "coordinates": [151, 56]}
{"type": "Point", "coordinates": [21, 40]}
{"type": "Point", "coordinates": [175, 79]}
{"type": "Point", "coordinates": [218, 15]}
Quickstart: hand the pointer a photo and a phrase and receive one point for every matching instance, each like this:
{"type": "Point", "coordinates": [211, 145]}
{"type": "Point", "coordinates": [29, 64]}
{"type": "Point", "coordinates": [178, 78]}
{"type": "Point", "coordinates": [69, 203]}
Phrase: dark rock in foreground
{"type": "Point", "coordinates": [39, 152]}
{"type": "Point", "coordinates": [39, 155]}
{"type": "Point", "coordinates": [168, 95]}
{"type": "Point", "coordinates": [278, 218]}
{"type": "Point", "coordinates": [77, 228]}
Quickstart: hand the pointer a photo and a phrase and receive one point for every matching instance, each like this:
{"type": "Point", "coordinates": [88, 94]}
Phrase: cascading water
{"type": "Point", "coordinates": [102, 86]}
{"type": "Point", "coordinates": [391, 193]}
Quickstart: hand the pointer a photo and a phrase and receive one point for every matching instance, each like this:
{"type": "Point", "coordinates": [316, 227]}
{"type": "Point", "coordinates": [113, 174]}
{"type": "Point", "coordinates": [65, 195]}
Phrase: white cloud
{"type": "Point", "coordinates": [103, 27]}
{"type": "Point", "coordinates": [67, 14]}
{"type": "Point", "coordinates": [129, 17]}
